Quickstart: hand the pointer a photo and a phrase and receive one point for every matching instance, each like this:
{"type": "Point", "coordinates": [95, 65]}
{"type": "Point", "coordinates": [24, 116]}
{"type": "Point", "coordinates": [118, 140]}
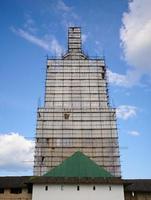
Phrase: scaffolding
{"type": "Point", "coordinates": [76, 115]}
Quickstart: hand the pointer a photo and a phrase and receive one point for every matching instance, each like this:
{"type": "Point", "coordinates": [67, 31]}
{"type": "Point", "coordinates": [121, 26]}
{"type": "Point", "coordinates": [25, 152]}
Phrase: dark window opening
{"type": "Point", "coordinates": [42, 158]}
{"type": "Point", "coordinates": [103, 75]}
{"type": "Point", "coordinates": [78, 187]}
{"type": "Point", "coordinates": [16, 190]}
{"type": "Point", "coordinates": [110, 188]}
{"type": "Point", "coordinates": [94, 187]}
{"type": "Point", "coordinates": [46, 187]}
{"type": "Point", "coordinates": [66, 115]}
{"type": "Point", "coordinates": [1, 190]}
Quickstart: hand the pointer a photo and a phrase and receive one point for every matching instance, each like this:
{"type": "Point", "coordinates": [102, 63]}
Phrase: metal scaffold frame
{"type": "Point", "coordinates": [76, 114]}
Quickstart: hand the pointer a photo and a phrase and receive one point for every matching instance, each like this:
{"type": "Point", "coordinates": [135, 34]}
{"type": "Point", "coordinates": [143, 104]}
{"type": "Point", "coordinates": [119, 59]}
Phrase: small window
{"type": "Point", "coordinates": [103, 76]}
{"type": "Point", "coordinates": [46, 187]}
{"type": "Point", "coordinates": [15, 190]}
{"type": "Point", "coordinates": [66, 115]}
{"type": "Point", "coordinates": [78, 187]}
{"type": "Point", "coordinates": [42, 159]}
{"type": "Point", "coordinates": [1, 190]}
{"type": "Point", "coordinates": [94, 187]}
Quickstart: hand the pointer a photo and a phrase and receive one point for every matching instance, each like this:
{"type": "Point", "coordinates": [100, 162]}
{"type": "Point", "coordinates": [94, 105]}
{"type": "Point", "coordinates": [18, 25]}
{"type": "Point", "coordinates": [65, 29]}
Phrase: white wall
{"type": "Point", "coordinates": [86, 192]}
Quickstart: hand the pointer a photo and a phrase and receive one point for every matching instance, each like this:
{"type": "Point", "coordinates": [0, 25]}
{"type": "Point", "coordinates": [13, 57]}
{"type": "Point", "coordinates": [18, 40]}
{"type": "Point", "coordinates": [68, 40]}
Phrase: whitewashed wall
{"type": "Point", "coordinates": [85, 192]}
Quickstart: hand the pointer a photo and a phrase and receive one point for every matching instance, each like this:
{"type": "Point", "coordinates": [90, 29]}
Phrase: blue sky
{"type": "Point", "coordinates": [118, 30]}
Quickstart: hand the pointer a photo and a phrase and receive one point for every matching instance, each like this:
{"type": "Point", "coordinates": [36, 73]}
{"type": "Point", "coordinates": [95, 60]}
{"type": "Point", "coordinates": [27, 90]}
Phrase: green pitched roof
{"type": "Point", "coordinates": [78, 165]}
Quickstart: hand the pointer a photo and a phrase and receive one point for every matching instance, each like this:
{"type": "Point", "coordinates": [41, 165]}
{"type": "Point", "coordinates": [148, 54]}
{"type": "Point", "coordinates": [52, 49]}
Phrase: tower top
{"type": "Point", "coordinates": [74, 44]}
{"type": "Point", "coordinates": [74, 40]}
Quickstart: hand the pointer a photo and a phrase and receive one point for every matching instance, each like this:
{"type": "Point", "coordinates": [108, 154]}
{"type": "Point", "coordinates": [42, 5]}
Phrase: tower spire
{"type": "Point", "coordinates": [74, 40]}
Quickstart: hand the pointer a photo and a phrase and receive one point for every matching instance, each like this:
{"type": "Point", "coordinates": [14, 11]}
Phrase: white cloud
{"type": "Point", "coordinates": [16, 152]}
{"type": "Point", "coordinates": [31, 38]}
{"type": "Point", "coordinates": [29, 24]}
{"type": "Point", "coordinates": [56, 47]}
{"type": "Point", "coordinates": [134, 133]}
{"type": "Point", "coordinates": [51, 45]}
{"type": "Point", "coordinates": [135, 36]}
{"type": "Point", "coordinates": [68, 16]}
{"type": "Point", "coordinates": [116, 79]}
{"type": "Point", "coordinates": [126, 111]}
{"type": "Point", "coordinates": [63, 7]}
{"type": "Point", "coordinates": [129, 79]}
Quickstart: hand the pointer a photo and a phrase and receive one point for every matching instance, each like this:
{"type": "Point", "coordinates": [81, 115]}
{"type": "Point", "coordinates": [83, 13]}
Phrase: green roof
{"type": "Point", "coordinates": [78, 165]}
